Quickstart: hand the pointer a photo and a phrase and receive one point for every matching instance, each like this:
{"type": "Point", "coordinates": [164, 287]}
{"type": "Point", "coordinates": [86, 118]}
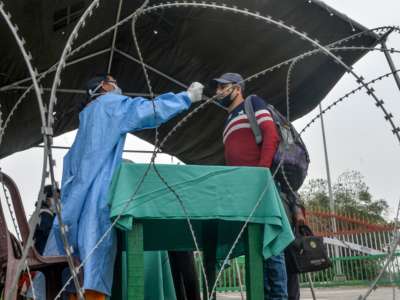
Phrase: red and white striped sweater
{"type": "Point", "coordinates": [239, 141]}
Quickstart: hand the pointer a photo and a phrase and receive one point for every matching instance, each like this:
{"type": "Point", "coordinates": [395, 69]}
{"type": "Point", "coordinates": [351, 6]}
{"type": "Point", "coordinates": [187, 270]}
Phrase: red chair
{"type": "Point", "coordinates": [10, 249]}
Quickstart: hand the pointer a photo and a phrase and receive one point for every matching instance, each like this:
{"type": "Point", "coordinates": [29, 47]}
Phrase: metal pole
{"type": "Point", "coordinates": [114, 38]}
{"type": "Point", "coordinates": [75, 91]}
{"type": "Point", "coordinates": [331, 199]}
{"type": "Point", "coordinates": [52, 68]}
{"type": "Point", "coordinates": [311, 286]}
{"type": "Point", "coordinates": [125, 151]}
{"type": "Point", "coordinates": [177, 82]}
{"type": "Point", "coordinates": [391, 64]}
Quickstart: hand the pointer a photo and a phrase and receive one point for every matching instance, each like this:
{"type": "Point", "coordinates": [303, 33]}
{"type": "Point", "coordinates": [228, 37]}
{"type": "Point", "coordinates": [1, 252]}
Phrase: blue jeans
{"type": "Point", "coordinates": [275, 278]}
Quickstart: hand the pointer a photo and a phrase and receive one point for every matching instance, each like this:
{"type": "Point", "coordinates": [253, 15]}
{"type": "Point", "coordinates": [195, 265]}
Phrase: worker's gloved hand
{"type": "Point", "coordinates": [195, 92]}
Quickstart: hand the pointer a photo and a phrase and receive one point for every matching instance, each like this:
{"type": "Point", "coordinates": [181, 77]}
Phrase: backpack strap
{"type": "Point", "coordinates": [251, 116]}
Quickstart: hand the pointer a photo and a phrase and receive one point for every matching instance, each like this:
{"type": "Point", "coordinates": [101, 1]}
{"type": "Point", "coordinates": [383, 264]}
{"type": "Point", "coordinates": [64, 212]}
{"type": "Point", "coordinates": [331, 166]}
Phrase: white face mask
{"type": "Point", "coordinates": [94, 92]}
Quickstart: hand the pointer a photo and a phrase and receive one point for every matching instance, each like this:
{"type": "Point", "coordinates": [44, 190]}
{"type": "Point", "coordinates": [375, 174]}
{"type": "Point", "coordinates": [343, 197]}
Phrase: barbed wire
{"type": "Point", "coordinates": [193, 4]}
{"type": "Point", "coordinates": [17, 231]}
{"type": "Point", "coordinates": [45, 130]}
{"type": "Point", "coordinates": [156, 141]}
{"type": "Point", "coordinates": [243, 228]}
{"type": "Point", "coordinates": [205, 5]}
{"type": "Point", "coordinates": [297, 138]}
{"type": "Point", "coordinates": [29, 88]}
{"type": "Point", "coordinates": [67, 49]}
{"type": "Point", "coordinates": [384, 29]}
{"type": "Point", "coordinates": [392, 50]}
{"type": "Point", "coordinates": [10, 210]}
{"type": "Point", "coordinates": [139, 52]}
{"type": "Point", "coordinates": [190, 225]}
{"type": "Point", "coordinates": [346, 96]}
{"type": "Point", "coordinates": [50, 121]}
{"type": "Point", "coordinates": [379, 30]}
{"type": "Point", "coordinates": [283, 168]}
{"type": "Point", "coordinates": [57, 81]}
{"type": "Point", "coordinates": [36, 216]}
{"type": "Point", "coordinates": [288, 80]}
{"type": "Point", "coordinates": [295, 61]}
{"type": "Point", "coordinates": [280, 24]}
{"type": "Point", "coordinates": [346, 68]}
{"type": "Point", "coordinates": [47, 135]}
{"type": "Point", "coordinates": [391, 254]}
{"type": "Point", "coordinates": [130, 199]}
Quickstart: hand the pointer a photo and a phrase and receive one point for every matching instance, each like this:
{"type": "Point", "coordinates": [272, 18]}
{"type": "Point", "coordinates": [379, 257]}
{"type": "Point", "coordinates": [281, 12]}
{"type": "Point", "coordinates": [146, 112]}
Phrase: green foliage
{"type": "Point", "coordinates": [351, 195]}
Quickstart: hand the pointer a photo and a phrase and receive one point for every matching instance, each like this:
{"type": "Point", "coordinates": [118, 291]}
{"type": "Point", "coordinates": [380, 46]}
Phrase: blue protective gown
{"type": "Point", "coordinates": [88, 169]}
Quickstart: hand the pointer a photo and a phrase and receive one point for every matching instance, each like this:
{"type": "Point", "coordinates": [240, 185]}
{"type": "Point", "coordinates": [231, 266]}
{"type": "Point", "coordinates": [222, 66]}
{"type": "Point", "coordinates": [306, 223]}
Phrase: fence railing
{"type": "Point", "coordinates": [360, 246]}
{"type": "Point", "coordinates": [357, 270]}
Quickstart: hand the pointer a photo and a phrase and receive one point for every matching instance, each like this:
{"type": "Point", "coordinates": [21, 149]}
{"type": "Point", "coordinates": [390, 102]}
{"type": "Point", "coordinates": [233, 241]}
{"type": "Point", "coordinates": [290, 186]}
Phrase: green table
{"type": "Point", "coordinates": [218, 201]}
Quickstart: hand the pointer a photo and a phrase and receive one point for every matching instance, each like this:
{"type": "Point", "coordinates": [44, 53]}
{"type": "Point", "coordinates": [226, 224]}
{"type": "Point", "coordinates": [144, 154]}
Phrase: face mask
{"type": "Point", "coordinates": [95, 92]}
{"type": "Point", "coordinates": [227, 100]}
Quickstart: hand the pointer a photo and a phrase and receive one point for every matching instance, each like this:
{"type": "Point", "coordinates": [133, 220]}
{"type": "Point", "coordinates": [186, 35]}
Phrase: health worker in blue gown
{"type": "Point", "coordinates": [90, 163]}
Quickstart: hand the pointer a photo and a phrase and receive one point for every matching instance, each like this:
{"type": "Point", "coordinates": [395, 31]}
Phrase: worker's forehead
{"type": "Point", "coordinates": [109, 77]}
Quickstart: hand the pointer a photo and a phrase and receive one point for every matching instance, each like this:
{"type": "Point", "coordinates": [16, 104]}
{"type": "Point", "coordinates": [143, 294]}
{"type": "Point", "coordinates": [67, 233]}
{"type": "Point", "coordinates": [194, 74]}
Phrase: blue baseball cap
{"type": "Point", "coordinates": [230, 78]}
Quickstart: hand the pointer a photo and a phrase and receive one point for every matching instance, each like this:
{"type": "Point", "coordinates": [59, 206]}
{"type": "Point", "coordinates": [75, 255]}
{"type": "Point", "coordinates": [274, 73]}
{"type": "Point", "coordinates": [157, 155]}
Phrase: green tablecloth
{"type": "Point", "coordinates": [224, 194]}
{"type": "Point", "coordinates": [158, 282]}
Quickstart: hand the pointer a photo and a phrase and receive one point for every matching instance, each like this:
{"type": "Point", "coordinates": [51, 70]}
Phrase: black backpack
{"type": "Point", "coordinates": [291, 156]}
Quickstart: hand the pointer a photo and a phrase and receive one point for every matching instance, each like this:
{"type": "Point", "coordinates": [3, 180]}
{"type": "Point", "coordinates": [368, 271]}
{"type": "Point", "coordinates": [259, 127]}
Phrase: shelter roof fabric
{"type": "Point", "coordinates": [188, 44]}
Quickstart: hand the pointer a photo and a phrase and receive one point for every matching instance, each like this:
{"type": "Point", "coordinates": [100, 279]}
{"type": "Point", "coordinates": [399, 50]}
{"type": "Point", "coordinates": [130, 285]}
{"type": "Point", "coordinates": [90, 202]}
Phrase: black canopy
{"type": "Point", "coordinates": [187, 44]}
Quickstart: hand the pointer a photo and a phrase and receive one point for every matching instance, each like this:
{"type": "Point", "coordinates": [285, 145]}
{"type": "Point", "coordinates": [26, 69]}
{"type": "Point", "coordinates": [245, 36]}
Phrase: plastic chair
{"type": "Point", "coordinates": [10, 249]}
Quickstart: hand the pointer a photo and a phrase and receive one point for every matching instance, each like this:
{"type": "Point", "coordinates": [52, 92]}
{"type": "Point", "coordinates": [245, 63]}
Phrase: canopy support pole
{"type": "Point", "coordinates": [391, 64]}
{"type": "Point", "coordinates": [177, 82]}
{"type": "Point", "coordinates": [76, 91]}
{"type": "Point", "coordinates": [114, 37]}
{"type": "Point", "coordinates": [73, 62]}
{"type": "Point", "coordinates": [131, 58]}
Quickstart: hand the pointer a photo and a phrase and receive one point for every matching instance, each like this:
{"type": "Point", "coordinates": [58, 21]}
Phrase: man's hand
{"type": "Point", "coordinates": [195, 92]}
{"type": "Point", "coordinates": [299, 218]}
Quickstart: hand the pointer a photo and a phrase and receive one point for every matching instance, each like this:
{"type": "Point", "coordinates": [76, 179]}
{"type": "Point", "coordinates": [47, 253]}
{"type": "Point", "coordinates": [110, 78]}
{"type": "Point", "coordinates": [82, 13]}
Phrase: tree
{"type": "Point", "coordinates": [351, 195]}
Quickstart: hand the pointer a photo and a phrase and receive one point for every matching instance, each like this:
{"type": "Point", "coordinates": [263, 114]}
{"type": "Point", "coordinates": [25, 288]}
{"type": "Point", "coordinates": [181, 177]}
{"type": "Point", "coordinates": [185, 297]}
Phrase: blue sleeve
{"type": "Point", "coordinates": [139, 112]}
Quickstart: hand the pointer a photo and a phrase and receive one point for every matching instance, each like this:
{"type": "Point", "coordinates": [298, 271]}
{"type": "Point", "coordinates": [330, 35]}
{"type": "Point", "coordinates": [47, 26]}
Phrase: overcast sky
{"type": "Point", "coordinates": [357, 135]}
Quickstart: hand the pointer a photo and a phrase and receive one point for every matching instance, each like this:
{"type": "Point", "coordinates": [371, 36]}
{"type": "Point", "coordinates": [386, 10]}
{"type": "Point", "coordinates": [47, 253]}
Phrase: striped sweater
{"type": "Point", "coordinates": [239, 141]}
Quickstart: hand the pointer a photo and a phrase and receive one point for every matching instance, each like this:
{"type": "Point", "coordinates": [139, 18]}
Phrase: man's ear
{"type": "Point", "coordinates": [236, 89]}
{"type": "Point", "coordinates": [240, 91]}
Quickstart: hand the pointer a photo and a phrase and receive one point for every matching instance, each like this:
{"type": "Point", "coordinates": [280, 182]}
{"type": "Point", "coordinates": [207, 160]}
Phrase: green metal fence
{"type": "Point", "coordinates": [232, 278]}
{"type": "Point", "coordinates": [357, 248]}
{"type": "Point", "coordinates": [356, 270]}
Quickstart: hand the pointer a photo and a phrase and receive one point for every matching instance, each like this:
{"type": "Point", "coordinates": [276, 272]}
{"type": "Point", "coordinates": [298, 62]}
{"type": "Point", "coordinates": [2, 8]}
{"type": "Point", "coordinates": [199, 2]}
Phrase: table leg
{"type": "Point", "coordinates": [210, 241]}
{"type": "Point", "coordinates": [254, 263]}
{"type": "Point", "coordinates": [135, 262]}
{"type": "Point", "coordinates": [117, 289]}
